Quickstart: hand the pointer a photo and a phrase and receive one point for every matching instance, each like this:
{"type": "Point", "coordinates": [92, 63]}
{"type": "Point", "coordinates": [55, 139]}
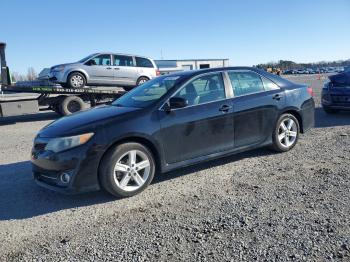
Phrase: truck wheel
{"type": "Point", "coordinates": [71, 104]}
{"type": "Point", "coordinates": [142, 80]}
{"type": "Point", "coordinates": [76, 80]}
{"type": "Point", "coordinates": [127, 169]}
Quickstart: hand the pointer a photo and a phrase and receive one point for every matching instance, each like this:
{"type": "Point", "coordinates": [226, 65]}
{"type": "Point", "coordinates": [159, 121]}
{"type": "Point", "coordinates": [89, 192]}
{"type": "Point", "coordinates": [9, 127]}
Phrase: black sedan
{"type": "Point", "coordinates": [168, 123]}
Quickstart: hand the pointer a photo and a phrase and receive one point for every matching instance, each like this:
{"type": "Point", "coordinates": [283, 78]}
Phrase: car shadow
{"type": "Point", "coordinates": [44, 116]}
{"type": "Point", "coordinates": [21, 197]}
{"type": "Point", "coordinates": [213, 163]}
{"type": "Point", "coordinates": [322, 119]}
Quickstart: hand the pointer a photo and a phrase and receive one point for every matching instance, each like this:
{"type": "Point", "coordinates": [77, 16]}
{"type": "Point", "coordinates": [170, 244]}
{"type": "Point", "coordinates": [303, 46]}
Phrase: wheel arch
{"type": "Point", "coordinates": [135, 139]}
{"type": "Point", "coordinates": [85, 75]}
{"type": "Point", "coordinates": [143, 76]}
{"type": "Point", "coordinates": [295, 112]}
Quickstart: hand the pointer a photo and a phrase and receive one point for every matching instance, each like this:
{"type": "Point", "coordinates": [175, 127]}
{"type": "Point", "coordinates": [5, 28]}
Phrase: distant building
{"type": "Point", "coordinates": [170, 66]}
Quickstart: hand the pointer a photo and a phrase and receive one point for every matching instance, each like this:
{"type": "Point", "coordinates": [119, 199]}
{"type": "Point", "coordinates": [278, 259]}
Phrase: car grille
{"type": "Point", "coordinates": [341, 99]}
{"type": "Point", "coordinates": [48, 178]}
{"type": "Point", "coordinates": [39, 146]}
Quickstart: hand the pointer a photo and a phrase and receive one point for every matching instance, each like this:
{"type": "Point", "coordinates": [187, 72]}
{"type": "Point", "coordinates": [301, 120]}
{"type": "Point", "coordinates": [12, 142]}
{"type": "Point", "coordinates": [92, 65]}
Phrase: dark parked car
{"type": "Point", "coordinates": [336, 93]}
{"type": "Point", "coordinates": [171, 122]}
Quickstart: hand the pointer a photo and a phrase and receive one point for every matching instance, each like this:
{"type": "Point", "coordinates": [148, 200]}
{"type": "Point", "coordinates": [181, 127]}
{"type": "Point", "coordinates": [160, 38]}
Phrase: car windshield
{"type": "Point", "coordinates": [86, 58]}
{"type": "Point", "coordinates": [149, 92]}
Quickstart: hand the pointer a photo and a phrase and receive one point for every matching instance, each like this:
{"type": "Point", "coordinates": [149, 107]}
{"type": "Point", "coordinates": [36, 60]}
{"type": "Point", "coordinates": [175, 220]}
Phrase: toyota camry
{"type": "Point", "coordinates": [167, 123]}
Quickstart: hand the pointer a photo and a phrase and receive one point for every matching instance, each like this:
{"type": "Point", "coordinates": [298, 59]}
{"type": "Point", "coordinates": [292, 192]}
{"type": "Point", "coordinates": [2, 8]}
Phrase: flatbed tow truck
{"type": "Point", "coordinates": [53, 97]}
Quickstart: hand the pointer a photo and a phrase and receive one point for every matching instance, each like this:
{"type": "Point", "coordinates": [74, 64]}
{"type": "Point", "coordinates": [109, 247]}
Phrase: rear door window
{"type": "Point", "coordinates": [123, 60]}
{"type": "Point", "coordinates": [269, 85]}
{"type": "Point", "coordinates": [245, 83]}
{"type": "Point", "coordinates": [143, 62]}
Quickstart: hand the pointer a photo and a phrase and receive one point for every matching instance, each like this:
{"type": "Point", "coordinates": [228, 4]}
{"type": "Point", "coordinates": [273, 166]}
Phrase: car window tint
{"type": "Point", "coordinates": [269, 85]}
{"type": "Point", "coordinates": [244, 83]}
{"type": "Point", "coordinates": [123, 60]}
{"type": "Point", "coordinates": [101, 60]}
{"type": "Point", "coordinates": [147, 93]}
{"type": "Point", "coordinates": [143, 62]}
{"type": "Point", "coordinates": [204, 89]}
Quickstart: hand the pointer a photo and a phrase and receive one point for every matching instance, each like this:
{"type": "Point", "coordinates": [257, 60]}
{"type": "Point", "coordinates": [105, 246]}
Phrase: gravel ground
{"type": "Point", "coordinates": [252, 206]}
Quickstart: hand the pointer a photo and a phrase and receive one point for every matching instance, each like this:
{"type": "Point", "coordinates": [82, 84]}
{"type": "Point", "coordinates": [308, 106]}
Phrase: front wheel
{"type": "Point", "coordinates": [286, 133]}
{"type": "Point", "coordinates": [127, 169]}
{"type": "Point", "coordinates": [76, 80]}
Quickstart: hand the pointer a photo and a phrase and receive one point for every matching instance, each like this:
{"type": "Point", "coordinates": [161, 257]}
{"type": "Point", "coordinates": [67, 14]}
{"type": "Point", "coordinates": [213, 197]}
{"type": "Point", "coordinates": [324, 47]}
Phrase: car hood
{"type": "Point", "coordinates": [85, 121]}
{"type": "Point", "coordinates": [66, 64]}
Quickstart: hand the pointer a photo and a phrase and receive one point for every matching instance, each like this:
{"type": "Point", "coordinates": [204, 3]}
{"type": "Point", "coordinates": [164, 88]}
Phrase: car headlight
{"type": "Point", "coordinates": [63, 143]}
{"type": "Point", "coordinates": [57, 68]}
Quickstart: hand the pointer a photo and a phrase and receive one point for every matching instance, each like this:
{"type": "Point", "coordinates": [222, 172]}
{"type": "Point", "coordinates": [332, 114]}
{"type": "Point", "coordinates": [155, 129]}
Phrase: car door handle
{"type": "Point", "coordinates": [117, 68]}
{"type": "Point", "coordinates": [225, 108]}
{"type": "Point", "coordinates": [277, 97]}
{"type": "Point", "coordinates": [109, 68]}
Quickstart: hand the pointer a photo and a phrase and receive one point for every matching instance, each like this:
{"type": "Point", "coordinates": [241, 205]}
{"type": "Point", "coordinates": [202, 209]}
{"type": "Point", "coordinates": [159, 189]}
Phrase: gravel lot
{"type": "Point", "coordinates": [252, 206]}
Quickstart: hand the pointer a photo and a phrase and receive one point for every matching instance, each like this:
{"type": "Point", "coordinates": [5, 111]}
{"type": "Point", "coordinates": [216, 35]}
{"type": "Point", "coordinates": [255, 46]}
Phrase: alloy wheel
{"type": "Point", "coordinates": [287, 132]}
{"type": "Point", "coordinates": [132, 170]}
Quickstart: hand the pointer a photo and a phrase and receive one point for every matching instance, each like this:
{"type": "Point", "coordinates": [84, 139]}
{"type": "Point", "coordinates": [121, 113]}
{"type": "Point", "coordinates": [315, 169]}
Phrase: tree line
{"type": "Point", "coordinates": [29, 76]}
{"type": "Point", "coordinates": [287, 65]}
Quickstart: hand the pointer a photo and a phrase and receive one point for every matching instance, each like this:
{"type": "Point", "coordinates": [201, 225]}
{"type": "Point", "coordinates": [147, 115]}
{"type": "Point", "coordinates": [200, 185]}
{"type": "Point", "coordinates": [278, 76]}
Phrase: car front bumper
{"type": "Point", "coordinates": [50, 170]}
{"type": "Point", "coordinates": [337, 106]}
{"type": "Point", "coordinates": [58, 76]}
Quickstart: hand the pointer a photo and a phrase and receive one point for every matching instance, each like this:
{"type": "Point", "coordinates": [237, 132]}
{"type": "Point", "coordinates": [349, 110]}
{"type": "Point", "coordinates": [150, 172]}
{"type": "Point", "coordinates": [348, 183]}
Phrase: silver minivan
{"type": "Point", "coordinates": [105, 69]}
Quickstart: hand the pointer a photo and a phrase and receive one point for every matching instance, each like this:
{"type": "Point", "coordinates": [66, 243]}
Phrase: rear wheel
{"type": "Point", "coordinates": [127, 169]}
{"type": "Point", "coordinates": [142, 80]}
{"type": "Point", "coordinates": [71, 104]}
{"type": "Point", "coordinates": [76, 80]}
{"type": "Point", "coordinates": [286, 133]}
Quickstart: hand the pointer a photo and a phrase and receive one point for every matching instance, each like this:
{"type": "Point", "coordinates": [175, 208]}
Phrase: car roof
{"type": "Point", "coordinates": [275, 78]}
{"type": "Point", "coordinates": [112, 53]}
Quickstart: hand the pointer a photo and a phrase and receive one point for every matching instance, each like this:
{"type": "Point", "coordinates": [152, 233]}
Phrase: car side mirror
{"type": "Point", "coordinates": [176, 102]}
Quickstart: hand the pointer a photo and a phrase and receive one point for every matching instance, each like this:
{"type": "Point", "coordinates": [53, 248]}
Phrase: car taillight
{"type": "Point", "coordinates": [157, 72]}
{"type": "Point", "coordinates": [310, 91]}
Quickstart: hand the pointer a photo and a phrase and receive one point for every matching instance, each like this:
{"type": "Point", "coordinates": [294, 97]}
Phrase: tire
{"type": "Point", "coordinates": [126, 182]}
{"type": "Point", "coordinates": [76, 80]}
{"type": "Point", "coordinates": [285, 137]}
{"type": "Point", "coordinates": [330, 110]}
{"type": "Point", "coordinates": [70, 105]}
{"type": "Point", "coordinates": [142, 80]}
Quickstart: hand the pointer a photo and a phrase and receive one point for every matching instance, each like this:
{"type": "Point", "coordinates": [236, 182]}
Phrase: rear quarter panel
{"type": "Point", "coordinates": [299, 100]}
